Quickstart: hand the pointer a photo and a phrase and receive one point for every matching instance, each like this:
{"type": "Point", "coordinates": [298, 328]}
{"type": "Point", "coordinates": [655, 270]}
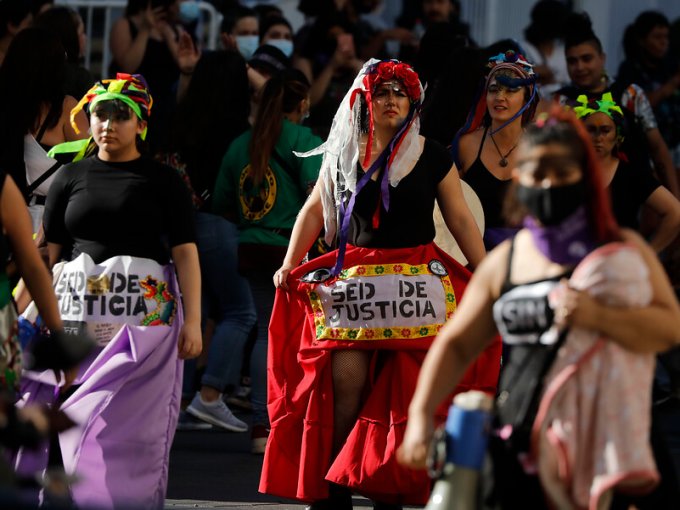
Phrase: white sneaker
{"type": "Point", "coordinates": [216, 413]}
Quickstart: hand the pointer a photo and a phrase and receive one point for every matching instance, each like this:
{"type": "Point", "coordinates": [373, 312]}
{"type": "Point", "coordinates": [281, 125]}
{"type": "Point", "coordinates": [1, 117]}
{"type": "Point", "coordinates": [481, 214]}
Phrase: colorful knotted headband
{"type": "Point", "coordinates": [131, 89]}
{"type": "Point", "coordinates": [605, 105]}
{"type": "Point", "coordinates": [518, 65]}
{"type": "Point", "coordinates": [515, 61]}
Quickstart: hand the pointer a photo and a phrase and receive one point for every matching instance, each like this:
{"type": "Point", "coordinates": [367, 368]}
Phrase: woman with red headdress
{"type": "Point", "coordinates": [349, 329]}
{"type": "Point", "coordinates": [571, 422]}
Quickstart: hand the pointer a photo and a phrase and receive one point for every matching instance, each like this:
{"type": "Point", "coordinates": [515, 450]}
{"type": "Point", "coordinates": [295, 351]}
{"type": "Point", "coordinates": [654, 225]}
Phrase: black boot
{"type": "Point", "coordinates": [339, 498]}
{"type": "Point", "coordinates": [377, 505]}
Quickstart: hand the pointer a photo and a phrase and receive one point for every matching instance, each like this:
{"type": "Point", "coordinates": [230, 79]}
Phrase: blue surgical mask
{"type": "Point", "coordinates": [247, 44]}
{"type": "Point", "coordinates": [189, 12]}
{"type": "Point", "coordinates": [284, 45]}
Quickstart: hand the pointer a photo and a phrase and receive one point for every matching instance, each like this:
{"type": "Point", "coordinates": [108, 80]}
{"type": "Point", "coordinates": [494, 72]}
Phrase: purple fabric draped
{"type": "Point", "coordinates": [125, 409]}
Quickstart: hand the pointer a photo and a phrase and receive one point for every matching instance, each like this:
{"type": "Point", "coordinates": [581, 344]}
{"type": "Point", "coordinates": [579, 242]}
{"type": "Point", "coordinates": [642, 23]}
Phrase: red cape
{"type": "Point", "coordinates": [297, 463]}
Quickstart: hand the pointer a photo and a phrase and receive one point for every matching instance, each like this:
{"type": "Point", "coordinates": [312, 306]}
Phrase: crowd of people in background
{"type": "Point", "coordinates": [229, 168]}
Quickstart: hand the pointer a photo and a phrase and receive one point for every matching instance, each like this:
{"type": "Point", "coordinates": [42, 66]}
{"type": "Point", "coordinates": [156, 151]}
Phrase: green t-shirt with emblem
{"type": "Point", "coordinates": [266, 214]}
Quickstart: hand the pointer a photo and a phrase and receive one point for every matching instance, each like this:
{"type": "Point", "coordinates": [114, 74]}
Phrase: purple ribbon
{"type": "Point", "coordinates": [346, 212]}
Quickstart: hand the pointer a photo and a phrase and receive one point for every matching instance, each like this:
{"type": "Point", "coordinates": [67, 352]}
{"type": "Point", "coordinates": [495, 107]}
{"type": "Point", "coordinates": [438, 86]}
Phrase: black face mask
{"type": "Point", "coordinates": [552, 205]}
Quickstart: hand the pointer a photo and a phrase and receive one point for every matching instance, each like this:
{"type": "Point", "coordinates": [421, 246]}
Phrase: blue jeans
{"type": "Point", "coordinates": [263, 291]}
{"type": "Point", "coordinates": [226, 298]}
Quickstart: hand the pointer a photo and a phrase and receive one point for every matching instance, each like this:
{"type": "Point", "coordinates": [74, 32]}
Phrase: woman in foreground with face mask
{"type": "Point", "coordinates": [615, 311]}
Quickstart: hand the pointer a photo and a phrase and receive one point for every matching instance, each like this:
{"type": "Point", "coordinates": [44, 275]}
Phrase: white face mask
{"type": "Point", "coordinates": [247, 44]}
{"type": "Point", "coordinates": [284, 45]}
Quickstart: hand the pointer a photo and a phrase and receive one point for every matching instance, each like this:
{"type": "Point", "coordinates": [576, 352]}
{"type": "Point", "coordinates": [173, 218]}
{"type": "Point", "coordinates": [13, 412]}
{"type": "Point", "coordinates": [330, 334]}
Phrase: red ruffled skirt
{"type": "Point", "coordinates": [388, 300]}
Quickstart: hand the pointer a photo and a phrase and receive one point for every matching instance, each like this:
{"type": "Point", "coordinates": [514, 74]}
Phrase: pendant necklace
{"type": "Point", "coordinates": [503, 161]}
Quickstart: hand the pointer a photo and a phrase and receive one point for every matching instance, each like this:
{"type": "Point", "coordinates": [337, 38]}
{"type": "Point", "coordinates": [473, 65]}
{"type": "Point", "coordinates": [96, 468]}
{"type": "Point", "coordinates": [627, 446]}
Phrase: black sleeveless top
{"type": "Point", "coordinates": [524, 319]}
{"type": "Point", "coordinates": [158, 66]}
{"type": "Point", "coordinates": [409, 221]}
{"type": "Point", "coordinates": [161, 73]}
{"type": "Point", "coordinates": [490, 189]}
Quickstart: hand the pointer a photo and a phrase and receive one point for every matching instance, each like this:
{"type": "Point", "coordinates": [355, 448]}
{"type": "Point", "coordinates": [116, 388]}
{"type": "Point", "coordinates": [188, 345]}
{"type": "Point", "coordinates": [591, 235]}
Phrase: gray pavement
{"type": "Point", "coordinates": [215, 469]}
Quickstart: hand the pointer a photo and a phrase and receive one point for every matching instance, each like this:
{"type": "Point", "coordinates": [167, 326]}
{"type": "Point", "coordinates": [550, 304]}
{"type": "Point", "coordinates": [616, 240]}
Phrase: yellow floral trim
{"type": "Point", "coordinates": [384, 333]}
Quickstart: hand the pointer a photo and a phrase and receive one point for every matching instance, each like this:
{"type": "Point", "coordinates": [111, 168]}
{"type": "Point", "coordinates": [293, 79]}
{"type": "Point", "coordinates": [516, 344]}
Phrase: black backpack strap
{"type": "Point", "coordinates": [507, 283]}
{"type": "Point", "coordinates": [46, 175]}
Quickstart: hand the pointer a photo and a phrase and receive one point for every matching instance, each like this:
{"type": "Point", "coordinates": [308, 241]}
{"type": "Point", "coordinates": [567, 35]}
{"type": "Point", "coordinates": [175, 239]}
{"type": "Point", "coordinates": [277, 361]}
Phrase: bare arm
{"type": "Point", "coordinates": [188, 56]}
{"type": "Point", "coordinates": [307, 227]}
{"type": "Point", "coordinates": [340, 59]}
{"type": "Point", "coordinates": [321, 82]}
{"type": "Point", "coordinates": [668, 208]}
{"type": "Point", "coordinates": [459, 219]}
{"type": "Point", "coordinates": [654, 328]}
{"type": "Point", "coordinates": [170, 37]}
{"type": "Point", "coordinates": [461, 340]}
{"type": "Point", "coordinates": [664, 91]}
{"type": "Point", "coordinates": [256, 80]}
{"type": "Point", "coordinates": [185, 257]}
{"type": "Point", "coordinates": [468, 146]}
{"type": "Point", "coordinates": [305, 65]}
{"type": "Point", "coordinates": [663, 162]}
{"type": "Point", "coordinates": [54, 253]}
{"type": "Point", "coordinates": [128, 52]}
{"type": "Point", "coordinates": [17, 224]}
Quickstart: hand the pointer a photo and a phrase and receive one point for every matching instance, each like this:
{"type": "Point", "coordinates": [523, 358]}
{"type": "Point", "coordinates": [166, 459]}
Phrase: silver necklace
{"type": "Point", "coordinates": [504, 159]}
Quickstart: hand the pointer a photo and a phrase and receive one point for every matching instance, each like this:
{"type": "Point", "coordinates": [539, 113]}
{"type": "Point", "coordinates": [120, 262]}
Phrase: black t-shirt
{"type": "Point", "coordinates": [409, 221]}
{"type": "Point", "coordinates": [629, 189]}
{"type": "Point", "coordinates": [139, 208]}
{"type": "Point", "coordinates": [4, 247]}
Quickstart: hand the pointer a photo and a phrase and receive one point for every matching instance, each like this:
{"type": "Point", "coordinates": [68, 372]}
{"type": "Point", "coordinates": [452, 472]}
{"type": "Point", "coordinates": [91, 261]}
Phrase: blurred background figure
{"type": "Point", "coordinates": [198, 143]}
{"type": "Point", "coordinates": [276, 31]}
{"type": "Point", "coordinates": [240, 31]}
{"type": "Point", "coordinates": [146, 41]}
{"type": "Point", "coordinates": [69, 27]}
{"type": "Point", "coordinates": [544, 47]}
{"type": "Point", "coordinates": [15, 15]}
{"type": "Point", "coordinates": [649, 64]}
{"type": "Point", "coordinates": [31, 127]}
{"type": "Point", "coordinates": [261, 186]}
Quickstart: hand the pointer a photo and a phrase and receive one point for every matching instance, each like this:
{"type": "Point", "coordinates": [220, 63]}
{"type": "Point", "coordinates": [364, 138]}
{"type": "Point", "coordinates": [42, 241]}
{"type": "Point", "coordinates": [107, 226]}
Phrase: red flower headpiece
{"type": "Point", "coordinates": [378, 73]}
{"type": "Point", "coordinates": [394, 70]}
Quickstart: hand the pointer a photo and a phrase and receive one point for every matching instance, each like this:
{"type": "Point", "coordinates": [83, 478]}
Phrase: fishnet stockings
{"type": "Point", "coordinates": [350, 373]}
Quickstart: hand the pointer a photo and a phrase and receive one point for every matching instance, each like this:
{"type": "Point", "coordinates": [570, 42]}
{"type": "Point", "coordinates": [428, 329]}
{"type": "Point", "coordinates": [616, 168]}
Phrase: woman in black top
{"type": "Point", "coordinates": [146, 41]}
{"type": "Point", "coordinates": [484, 148]}
{"type": "Point", "coordinates": [119, 202]}
{"type": "Point", "coordinates": [630, 187]}
{"type": "Point", "coordinates": [126, 218]}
